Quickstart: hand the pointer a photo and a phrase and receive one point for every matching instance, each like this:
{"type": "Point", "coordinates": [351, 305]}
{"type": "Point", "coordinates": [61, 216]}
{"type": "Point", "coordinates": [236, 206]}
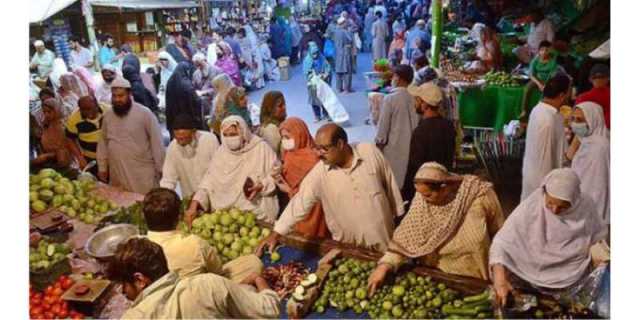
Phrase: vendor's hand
{"type": "Point", "coordinates": [502, 288]}
{"type": "Point", "coordinates": [103, 176]}
{"type": "Point", "coordinates": [82, 163]}
{"type": "Point", "coordinates": [271, 242]}
{"type": "Point", "coordinates": [190, 214]}
{"type": "Point", "coordinates": [377, 277]}
{"type": "Point", "coordinates": [253, 191]}
{"type": "Point", "coordinates": [283, 185]}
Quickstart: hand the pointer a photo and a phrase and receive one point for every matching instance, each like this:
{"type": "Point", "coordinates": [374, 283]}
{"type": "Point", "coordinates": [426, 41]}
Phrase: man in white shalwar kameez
{"type": "Point", "coordinates": [545, 145]}
{"type": "Point", "coordinates": [188, 156]}
{"type": "Point", "coordinates": [380, 32]}
{"type": "Point", "coordinates": [130, 151]}
{"type": "Point", "coordinates": [356, 187]}
{"type": "Point", "coordinates": [397, 122]}
{"type": "Point", "coordinates": [241, 156]}
{"type": "Point", "coordinates": [591, 163]}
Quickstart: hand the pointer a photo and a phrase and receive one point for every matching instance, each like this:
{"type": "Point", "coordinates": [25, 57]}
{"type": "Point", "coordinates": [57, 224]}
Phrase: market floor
{"type": "Point", "coordinates": [295, 93]}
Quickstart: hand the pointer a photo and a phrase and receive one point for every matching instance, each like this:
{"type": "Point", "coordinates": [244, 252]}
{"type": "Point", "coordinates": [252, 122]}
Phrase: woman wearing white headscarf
{"type": "Point", "coordinates": [222, 83]}
{"type": "Point", "coordinates": [449, 225]}
{"type": "Point", "coordinates": [167, 64]}
{"type": "Point", "coordinates": [545, 243]}
{"type": "Point", "coordinates": [591, 162]}
{"type": "Point", "coordinates": [242, 156]}
{"type": "Point", "coordinates": [59, 68]}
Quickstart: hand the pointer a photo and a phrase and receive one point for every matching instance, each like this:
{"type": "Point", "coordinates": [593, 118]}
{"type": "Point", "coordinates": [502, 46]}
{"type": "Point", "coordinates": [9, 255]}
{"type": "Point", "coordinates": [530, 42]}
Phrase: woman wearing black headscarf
{"type": "Point", "coordinates": [140, 93]}
{"type": "Point", "coordinates": [181, 97]}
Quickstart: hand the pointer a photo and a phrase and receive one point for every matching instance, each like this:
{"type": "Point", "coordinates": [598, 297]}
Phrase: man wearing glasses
{"type": "Point", "coordinates": [356, 187]}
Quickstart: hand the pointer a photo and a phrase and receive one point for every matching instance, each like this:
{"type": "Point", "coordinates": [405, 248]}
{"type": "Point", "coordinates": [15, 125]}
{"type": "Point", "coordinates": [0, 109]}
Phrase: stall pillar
{"type": "Point", "coordinates": [436, 32]}
{"type": "Point", "coordinates": [87, 12]}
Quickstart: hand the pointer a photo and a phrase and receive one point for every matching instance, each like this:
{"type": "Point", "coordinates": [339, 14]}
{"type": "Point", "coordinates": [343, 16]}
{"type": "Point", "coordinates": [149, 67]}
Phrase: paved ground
{"type": "Point", "coordinates": [295, 92]}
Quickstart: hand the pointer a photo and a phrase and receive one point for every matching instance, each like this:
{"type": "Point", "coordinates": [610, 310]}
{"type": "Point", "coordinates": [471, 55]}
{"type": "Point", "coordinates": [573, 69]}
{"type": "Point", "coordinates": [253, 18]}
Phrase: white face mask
{"type": "Point", "coordinates": [233, 143]}
{"type": "Point", "coordinates": [288, 144]}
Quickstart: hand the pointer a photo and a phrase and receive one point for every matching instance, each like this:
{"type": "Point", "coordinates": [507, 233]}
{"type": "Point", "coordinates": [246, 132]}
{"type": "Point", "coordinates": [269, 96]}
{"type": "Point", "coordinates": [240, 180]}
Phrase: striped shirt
{"type": "Point", "coordinates": [86, 132]}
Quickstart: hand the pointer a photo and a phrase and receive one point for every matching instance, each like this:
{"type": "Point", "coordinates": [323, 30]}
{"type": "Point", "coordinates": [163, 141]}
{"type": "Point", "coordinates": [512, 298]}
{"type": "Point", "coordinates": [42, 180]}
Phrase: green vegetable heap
{"type": "Point", "coordinates": [501, 79]}
{"type": "Point", "coordinates": [409, 297]}
{"type": "Point", "coordinates": [46, 255]}
{"type": "Point", "coordinates": [232, 232]}
{"type": "Point", "coordinates": [131, 215]}
{"type": "Point", "coordinates": [49, 189]}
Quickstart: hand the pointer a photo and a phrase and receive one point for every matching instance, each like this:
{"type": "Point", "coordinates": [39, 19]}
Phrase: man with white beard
{"type": "Point", "coordinates": [188, 156]}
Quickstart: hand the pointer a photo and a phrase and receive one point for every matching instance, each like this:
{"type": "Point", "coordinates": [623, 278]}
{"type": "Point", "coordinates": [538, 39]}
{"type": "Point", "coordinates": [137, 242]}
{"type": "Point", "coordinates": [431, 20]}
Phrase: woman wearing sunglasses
{"type": "Point", "coordinates": [449, 226]}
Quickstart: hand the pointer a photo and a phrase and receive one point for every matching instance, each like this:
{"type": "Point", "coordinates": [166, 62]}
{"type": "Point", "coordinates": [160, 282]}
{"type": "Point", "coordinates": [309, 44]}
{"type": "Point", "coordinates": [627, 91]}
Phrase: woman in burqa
{"type": "Point", "coordinates": [141, 94]}
{"type": "Point", "coordinates": [182, 98]}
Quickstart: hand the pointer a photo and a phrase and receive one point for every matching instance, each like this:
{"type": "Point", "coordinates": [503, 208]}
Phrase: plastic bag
{"type": "Point", "coordinates": [254, 112]}
{"type": "Point", "coordinates": [329, 49]}
{"type": "Point", "coordinates": [330, 101]}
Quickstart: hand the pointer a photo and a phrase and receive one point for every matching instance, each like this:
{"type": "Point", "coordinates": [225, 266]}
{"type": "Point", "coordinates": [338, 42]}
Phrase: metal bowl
{"type": "Point", "coordinates": [103, 244]}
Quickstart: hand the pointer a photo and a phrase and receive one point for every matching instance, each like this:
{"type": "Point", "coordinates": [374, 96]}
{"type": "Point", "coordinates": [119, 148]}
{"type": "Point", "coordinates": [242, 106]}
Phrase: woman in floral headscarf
{"type": "Point", "coordinates": [228, 64]}
{"type": "Point", "coordinates": [299, 157]}
{"type": "Point", "coordinates": [449, 225]}
{"type": "Point", "coordinates": [236, 104]}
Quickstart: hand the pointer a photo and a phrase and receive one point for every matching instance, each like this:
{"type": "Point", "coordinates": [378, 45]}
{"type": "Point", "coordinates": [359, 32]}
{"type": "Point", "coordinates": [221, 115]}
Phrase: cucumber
{"type": "Point", "coordinates": [479, 297]}
{"type": "Point", "coordinates": [451, 310]}
{"type": "Point", "coordinates": [51, 249]}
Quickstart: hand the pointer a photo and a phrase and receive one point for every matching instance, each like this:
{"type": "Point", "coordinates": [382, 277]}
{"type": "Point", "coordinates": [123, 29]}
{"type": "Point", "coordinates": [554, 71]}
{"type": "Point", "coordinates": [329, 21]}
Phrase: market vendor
{"type": "Point", "coordinates": [188, 156]}
{"type": "Point", "coordinates": [186, 255]}
{"type": "Point", "coordinates": [545, 243]}
{"type": "Point", "coordinates": [449, 226]}
{"type": "Point", "coordinates": [356, 188]}
{"type": "Point", "coordinates": [543, 67]}
{"type": "Point", "coordinates": [541, 30]}
{"type": "Point", "coordinates": [141, 266]}
{"type": "Point", "coordinates": [487, 50]}
{"type": "Point", "coordinates": [242, 156]}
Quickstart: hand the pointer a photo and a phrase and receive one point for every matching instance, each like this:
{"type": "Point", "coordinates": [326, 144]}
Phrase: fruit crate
{"type": "Point", "coordinates": [42, 278]}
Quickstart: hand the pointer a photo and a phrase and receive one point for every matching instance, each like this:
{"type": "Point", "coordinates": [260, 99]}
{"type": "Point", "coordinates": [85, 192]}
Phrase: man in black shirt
{"type": "Point", "coordinates": [434, 137]}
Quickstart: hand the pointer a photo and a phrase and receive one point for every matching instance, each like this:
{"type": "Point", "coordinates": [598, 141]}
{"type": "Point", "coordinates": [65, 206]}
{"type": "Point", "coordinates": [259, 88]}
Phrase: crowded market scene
{"type": "Point", "coordinates": [319, 159]}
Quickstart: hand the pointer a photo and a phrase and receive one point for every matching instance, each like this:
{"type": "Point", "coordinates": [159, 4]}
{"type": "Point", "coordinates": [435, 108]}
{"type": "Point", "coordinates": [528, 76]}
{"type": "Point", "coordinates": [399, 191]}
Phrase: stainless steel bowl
{"type": "Point", "coordinates": [103, 244]}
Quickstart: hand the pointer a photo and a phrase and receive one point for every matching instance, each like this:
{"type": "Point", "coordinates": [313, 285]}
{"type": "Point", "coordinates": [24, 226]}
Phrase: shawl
{"type": "Point", "coordinates": [86, 78]}
{"type": "Point", "coordinates": [166, 72]}
{"type": "Point", "coordinates": [181, 97]}
{"type": "Point", "coordinates": [298, 162]}
{"type": "Point", "coordinates": [232, 105]}
{"type": "Point", "coordinates": [545, 249]}
{"type": "Point", "coordinates": [228, 64]}
{"type": "Point", "coordinates": [221, 84]}
{"type": "Point", "coordinates": [427, 227]}
{"type": "Point", "coordinates": [140, 93]}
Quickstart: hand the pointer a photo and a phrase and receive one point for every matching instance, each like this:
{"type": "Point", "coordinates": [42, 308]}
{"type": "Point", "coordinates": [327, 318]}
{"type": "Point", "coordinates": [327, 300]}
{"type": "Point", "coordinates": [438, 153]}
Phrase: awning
{"type": "Point", "coordinates": [144, 4]}
{"type": "Point", "coordinates": [40, 10]}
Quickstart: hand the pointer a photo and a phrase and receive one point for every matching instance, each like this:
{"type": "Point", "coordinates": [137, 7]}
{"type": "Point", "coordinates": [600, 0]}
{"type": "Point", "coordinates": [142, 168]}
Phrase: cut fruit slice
{"type": "Point", "coordinates": [299, 290]}
{"type": "Point", "coordinates": [297, 296]}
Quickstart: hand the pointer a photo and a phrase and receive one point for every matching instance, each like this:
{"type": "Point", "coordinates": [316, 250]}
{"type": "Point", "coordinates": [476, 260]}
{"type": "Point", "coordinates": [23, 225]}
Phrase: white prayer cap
{"type": "Point", "coordinates": [198, 57]}
{"type": "Point", "coordinates": [428, 92]}
{"type": "Point", "coordinates": [38, 43]}
{"type": "Point", "coordinates": [109, 67]}
{"type": "Point", "coordinates": [341, 20]}
{"type": "Point", "coordinates": [120, 82]}
{"type": "Point", "coordinates": [421, 22]}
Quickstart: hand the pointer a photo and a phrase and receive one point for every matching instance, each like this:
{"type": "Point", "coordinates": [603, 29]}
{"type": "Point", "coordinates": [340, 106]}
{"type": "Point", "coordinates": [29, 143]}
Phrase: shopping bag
{"type": "Point", "coordinates": [330, 101]}
{"type": "Point", "coordinates": [329, 49]}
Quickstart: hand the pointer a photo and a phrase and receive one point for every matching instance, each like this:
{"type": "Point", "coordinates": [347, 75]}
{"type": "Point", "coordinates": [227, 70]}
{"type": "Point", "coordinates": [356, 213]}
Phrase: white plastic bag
{"type": "Point", "coordinates": [254, 112]}
{"type": "Point", "coordinates": [330, 101]}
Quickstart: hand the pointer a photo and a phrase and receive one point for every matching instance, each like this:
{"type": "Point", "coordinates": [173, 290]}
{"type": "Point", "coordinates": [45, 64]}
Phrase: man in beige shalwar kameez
{"type": "Point", "coordinates": [356, 187]}
{"type": "Point", "coordinates": [130, 152]}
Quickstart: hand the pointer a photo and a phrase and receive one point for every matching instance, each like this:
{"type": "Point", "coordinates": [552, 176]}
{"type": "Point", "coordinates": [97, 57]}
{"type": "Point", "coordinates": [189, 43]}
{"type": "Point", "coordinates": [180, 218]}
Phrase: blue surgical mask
{"type": "Point", "coordinates": [580, 129]}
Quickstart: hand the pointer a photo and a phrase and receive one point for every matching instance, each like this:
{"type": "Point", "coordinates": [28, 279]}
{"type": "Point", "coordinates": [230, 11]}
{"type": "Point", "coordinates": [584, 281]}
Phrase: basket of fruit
{"type": "Point", "coordinates": [47, 262]}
